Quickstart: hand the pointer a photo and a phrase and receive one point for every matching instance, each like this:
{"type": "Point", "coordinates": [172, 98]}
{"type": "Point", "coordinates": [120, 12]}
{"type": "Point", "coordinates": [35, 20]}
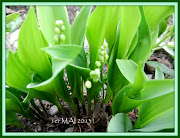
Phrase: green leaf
{"type": "Point", "coordinates": [96, 31]}
{"type": "Point", "coordinates": [128, 69]}
{"type": "Point", "coordinates": [162, 27]}
{"type": "Point", "coordinates": [143, 47]}
{"type": "Point", "coordinates": [18, 75]}
{"type": "Point", "coordinates": [13, 21]}
{"type": "Point", "coordinates": [152, 89]}
{"type": "Point", "coordinates": [47, 16]}
{"type": "Point", "coordinates": [63, 52]}
{"type": "Point", "coordinates": [130, 20]}
{"type": "Point", "coordinates": [47, 85]}
{"type": "Point", "coordinates": [169, 50]}
{"type": "Point", "coordinates": [12, 119]}
{"type": "Point", "coordinates": [79, 25]}
{"type": "Point", "coordinates": [30, 42]}
{"type": "Point", "coordinates": [155, 19]}
{"type": "Point", "coordinates": [119, 123]}
{"type": "Point", "coordinates": [112, 23]}
{"type": "Point", "coordinates": [13, 104]}
{"type": "Point", "coordinates": [158, 73]}
{"type": "Point", "coordinates": [162, 67]}
{"type": "Point", "coordinates": [113, 71]}
{"type": "Point", "coordinates": [156, 115]}
{"type": "Point", "coordinates": [139, 82]}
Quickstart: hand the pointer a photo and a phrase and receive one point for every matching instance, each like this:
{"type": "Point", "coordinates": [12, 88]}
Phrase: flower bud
{"type": "Point", "coordinates": [88, 84]}
{"type": "Point", "coordinates": [98, 63]}
{"type": "Point", "coordinates": [62, 28]}
{"type": "Point", "coordinates": [101, 53]}
{"type": "Point", "coordinates": [62, 38]}
{"type": "Point", "coordinates": [101, 58]}
{"type": "Point", "coordinates": [57, 31]}
{"type": "Point", "coordinates": [102, 48]}
{"type": "Point", "coordinates": [105, 44]}
{"type": "Point", "coordinates": [59, 23]}
{"type": "Point", "coordinates": [92, 73]}
{"type": "Point", "coordinates": [106, 57]}
{"type": "Point", "coordinates": [97, 71]}
{"type": "Point", "coordinates": [56, 39]}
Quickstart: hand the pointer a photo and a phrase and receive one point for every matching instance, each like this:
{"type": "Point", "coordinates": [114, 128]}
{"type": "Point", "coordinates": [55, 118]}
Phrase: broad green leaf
{"type": "Point", "coordinates": [130, 20]}
{"type": "Point", "coordinates": [165, 69]}
{"type": "Point", "coordinates": [139, 82]}
{"type": "Point", "coordinates": [63, 52]}
{"type": "Point", "coordinates": [158, 73]}
{"type": "Point", "coordinates": [156, 115]}
{"type": "Point", "coordinates": [133, 45]}
{"type": "Point", "coordinates": [12, 119]}
{"type": "Point", "coordinates": [152, 89]}
{"type": "Point", "coordinates": [18, 75]}
{"type": "Point", "coordinates": [113, 71]}
{"type": "Point", "coordinates": [47, 16]}
{"type": "Point", "coordinates": [96, 31]}
{"type": "Point", "coordinates": [128, 69]}
{"type": "Point", "coordinates": [162, 27]}
{"type": "Point", "coordinates": [155, 19]}
{"type": "Point", "coordinates": [112, 26]}
{"type": "Point", "coordinates": [75, 81]}
{"type": "Point", "coordinates": [143, 47]}
{"type": "Point", "coordinates": [47, 85]}
{"type": "Point", "coordinates": [12, 17]}
{"type": "Point", "coordinates": [13, 104]}
{"type": "Point", "coordinates": [12, 22]}
{"type": "Point", "coordinates": [119, 123]}
{"type": "Point", "coordinates": [30, 42]}
{"type": "Point", "coordinates": [79, 25]}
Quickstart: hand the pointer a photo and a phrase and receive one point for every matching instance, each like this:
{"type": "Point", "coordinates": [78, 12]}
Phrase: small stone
{"type": "Point", "coordinates": [39, 128]}
{"type": "Point", "coordinates": [51, 131]}
{"type": "Point", "coordinates": [70, 129]}
{"type": "Point", "coordinates": [53, 110]}
{"type": "Point", "coordinates": [149, 76]}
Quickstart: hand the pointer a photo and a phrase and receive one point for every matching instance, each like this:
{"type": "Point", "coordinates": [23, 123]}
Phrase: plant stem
{"type": "Point", "coordinates": [60, 106]}
{"type": "Point", "coordinates": [42, 105]}
{"type": "Point", "coordinates": [102, 80]}
{"type": "Point", "coordinates": [36, 107]}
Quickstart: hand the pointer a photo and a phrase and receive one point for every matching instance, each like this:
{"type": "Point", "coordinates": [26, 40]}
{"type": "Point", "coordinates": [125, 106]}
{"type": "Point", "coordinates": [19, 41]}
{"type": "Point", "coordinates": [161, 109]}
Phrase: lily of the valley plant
{"type": "Point", "coordinates": [123, 37]}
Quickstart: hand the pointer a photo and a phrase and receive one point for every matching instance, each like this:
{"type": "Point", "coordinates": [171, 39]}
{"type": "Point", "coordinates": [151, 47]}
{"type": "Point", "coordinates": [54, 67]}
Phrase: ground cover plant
{"type": "Point", "coordinates": [121, 38]}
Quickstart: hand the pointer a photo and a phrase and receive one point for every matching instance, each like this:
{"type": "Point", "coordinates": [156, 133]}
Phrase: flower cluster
{"type": "Point", "coordinates": [102, 58]}
{"type": "Point", "coordinates": [59, 38]}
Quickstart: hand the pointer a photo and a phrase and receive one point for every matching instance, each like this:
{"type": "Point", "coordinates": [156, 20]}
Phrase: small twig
{"type": "Point", "coordinates": [132, 114]}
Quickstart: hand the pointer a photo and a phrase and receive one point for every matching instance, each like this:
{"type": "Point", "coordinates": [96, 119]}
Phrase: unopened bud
{"type": "Point", "coordinates": [59, 23]}
{"type": "Point", "coordinates": [92, 73]}
{"type": "Point", "coordinates": [88, 84]}
{"type": "Point", "coordinates": [171, 45]}
{"type": "Point", "coordinates": [57, 31]}
{"type": "Point", "coordinates": [102, 48]}
{"type": "Point", "coordinates": [106, 57]}
{"type": "Point", "coordinates": [101, 58]}
{"type": "Point", "coordinates": [56, 39]}
{"type": "Point", "coordinates": [105, 44]}
{"type": "Point", "coordinates": [101, 53]}
{"type": "Point", "coordinates": [97, 71]}
{"type": "Point", "coordinates": [62, 28]}
{"type": "Point", "coordinates": [62, 38]}
{"type": "Point", "coordinates": [98, 63]}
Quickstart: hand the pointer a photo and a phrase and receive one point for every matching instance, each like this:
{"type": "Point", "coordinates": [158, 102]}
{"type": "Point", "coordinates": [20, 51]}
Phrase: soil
{"type": "Point", "coordinates": [101, 117]}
